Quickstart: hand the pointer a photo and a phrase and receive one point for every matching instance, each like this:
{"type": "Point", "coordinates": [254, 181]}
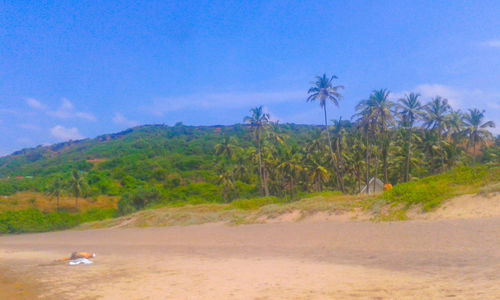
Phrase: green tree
{"type": "Point", "coordinates": [56, 190]}
{"type": "Point", "coordinates": [454, 133]}
{"type": "Point", "coordinates": [382, 113]}
{"type": "Point", "coordinates": [258, 120]}
{"type": "Point", "coordinates": [411, 111]}
{"type": "Point", "coordinates": [475, 128]}
{"type": "Point", "coordinates": [435, 119]}
{"type": "Point", "coordinates": [77, 185]}
{"type": "Point", "coordinates": [323, 91]}
{"type": "Point", "coordinates": [226, 148]}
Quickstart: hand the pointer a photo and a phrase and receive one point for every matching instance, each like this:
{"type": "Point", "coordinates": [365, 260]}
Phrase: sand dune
{"type": "Point", "coordinates": [305, 260]}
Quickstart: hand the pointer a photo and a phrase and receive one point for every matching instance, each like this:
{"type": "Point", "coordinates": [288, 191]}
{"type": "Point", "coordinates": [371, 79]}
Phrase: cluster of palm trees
{"type": "Point", "coordinates": [76, 185]}
{"type": "Point", "coordinates": [391, 140]}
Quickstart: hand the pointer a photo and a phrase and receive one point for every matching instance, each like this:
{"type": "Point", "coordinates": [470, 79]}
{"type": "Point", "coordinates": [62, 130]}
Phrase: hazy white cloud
{"type": "Point", "coordinates": [162, 106]}
{"type": "Point", "coordinates": [28, 126]}
{"type": "Point", "coordinates": [120, 119]}
{"type": "Point", "coordinates": [459, 98]}
{"type": "Point", "coordinates": [24, 141]}
{"type": "Point", "coordinates": [495, 43]}
{"type": "Point", "coordinates": [454, 95]}
{"type": "Point", "coordinates": [67, 110]}
{"type": "Point", "coordinates": [64, 134]}
{"type": "Point", "coordinates": [33, 103]}
{"type": "Point", "coordinates": [494, 105]}
{"type": "Point", "coordinates": [84, 115]}
{"type": "Point", "coordinates": [16, 113]}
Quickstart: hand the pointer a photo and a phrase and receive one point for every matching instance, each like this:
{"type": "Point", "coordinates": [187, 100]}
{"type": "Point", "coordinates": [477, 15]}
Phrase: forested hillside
{"type": "Point", "coordinates": [154, 164]}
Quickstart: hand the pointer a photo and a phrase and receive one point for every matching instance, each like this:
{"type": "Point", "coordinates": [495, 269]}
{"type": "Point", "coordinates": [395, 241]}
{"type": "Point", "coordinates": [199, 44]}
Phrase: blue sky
{"type": "Point", "coordinates": [78, 69]}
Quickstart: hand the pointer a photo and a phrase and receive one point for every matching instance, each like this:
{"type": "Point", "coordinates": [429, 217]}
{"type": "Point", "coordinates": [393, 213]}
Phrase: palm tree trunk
{"type": "Point", "coordinates": [441, 148]}
{"type": "Point", "coordinates": [376, 172]}
{"type": "Point", "coordinates": [358, 173]}
{"type": "Point", "coordinates": [340, 162]}
{"type": "Point", "coordinates": [384, 164]}
{"type": "Point", "coordinates": [266, 188]}
{"type": "Point", "coordinates": [367, 162]}
{"type": "Point", "coordinates": [474, 150]}
{"type": "Point", "coordinates": [340, 180]}
{"type": "Point", "coordinates": [407, 173]}
{"type": "Point", "coordinates": [259, 154]}
{"type": "Point", "coordinates": [384, 138]}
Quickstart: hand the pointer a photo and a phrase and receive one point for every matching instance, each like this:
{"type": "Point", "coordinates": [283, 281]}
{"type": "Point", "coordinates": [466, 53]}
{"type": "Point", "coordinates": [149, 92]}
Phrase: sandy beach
{"type": "Point", "coordinates": [302, 260]}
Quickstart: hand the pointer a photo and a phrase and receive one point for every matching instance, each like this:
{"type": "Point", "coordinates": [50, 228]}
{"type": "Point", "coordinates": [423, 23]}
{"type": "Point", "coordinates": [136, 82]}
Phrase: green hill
{"type": "Point", "coordinates": [172, 163]}
{"type": "Point", "coordinates": [158, 164]}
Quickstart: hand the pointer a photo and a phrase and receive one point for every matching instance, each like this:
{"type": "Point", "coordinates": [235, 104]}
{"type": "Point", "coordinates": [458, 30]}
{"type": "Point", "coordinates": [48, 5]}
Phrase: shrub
{"type": "Point", "coordinates": [138, 199]}
{"type": "Point", "coordinates": [33, 220]}
{"type": "Point", "coordinates": [432, 191]}
{"type": "Point", "coordinates": [255, 203]}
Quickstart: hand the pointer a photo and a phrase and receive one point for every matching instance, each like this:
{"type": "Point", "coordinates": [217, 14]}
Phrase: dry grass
{"type": "Point", "coordinates": [490, 189]}
{"type": "Point", "coordinates": [213, 213]}
{"type": "Point", "coordinates": [26, 200]}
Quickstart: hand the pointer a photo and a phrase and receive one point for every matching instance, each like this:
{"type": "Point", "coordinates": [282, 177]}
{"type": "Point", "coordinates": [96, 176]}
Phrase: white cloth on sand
{"type": "Point", "coordinates": [80, 261]}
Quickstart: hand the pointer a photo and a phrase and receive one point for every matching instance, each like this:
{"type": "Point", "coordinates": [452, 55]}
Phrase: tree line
{"type": "Point", "coordinates": [396, 141]}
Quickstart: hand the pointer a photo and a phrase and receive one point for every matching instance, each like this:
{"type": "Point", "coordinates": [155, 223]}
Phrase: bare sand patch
{"type": "Point", "coordinates": [465, 207]}
{"type": "Point", "coordinates": [288, 260]}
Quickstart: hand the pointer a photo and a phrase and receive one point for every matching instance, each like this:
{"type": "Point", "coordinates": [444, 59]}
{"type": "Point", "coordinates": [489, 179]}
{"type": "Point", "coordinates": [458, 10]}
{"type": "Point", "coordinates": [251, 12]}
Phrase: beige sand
{"type": "Point", "coordinates": [424, 259]}
{"type": "Point", "coordinates": [467, 207]}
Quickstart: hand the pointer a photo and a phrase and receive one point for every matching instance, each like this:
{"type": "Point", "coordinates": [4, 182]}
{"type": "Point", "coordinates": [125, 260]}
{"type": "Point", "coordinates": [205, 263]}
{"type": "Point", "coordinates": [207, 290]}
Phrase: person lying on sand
{"type": "Point", "coordinates": [76, 255]}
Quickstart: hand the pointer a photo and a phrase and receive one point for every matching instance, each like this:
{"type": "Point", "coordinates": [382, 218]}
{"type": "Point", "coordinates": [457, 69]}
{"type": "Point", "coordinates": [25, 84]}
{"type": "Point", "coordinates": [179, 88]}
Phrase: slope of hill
{"type": "Point", "coordinates": [177, 162]}
{"type": "Point", "coordinates": [153, 165]}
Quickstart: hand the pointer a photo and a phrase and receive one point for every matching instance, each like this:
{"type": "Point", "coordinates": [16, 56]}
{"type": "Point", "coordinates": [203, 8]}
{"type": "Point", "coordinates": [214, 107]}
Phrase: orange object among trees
{"type": "Point", "coordinates": [387, 187]}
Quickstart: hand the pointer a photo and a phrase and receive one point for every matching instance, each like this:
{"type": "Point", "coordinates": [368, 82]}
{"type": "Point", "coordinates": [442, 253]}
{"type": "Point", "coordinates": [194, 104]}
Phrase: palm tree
{"type": "Point", "coordinates": [225, 148]}
{"type": "Point", "coordinates": [376, 116]}
{"type": "Point", "coordinates": [454, 132]}
{"type": "Point", "coordinates": [258, 120]}
{"type": "Point", "coordinates": [339, 130]}
{"type": "Point", "coordinates": [323, 90]}
{"type": "Point", "coordinates": [226, 180]}
{"type": "Point", "coordinates": [355, 157]}
{"type": "Point", "coordinates": [383, 115]}
{"type": "Point", "coordinates": [319, 175]}
{"type": "Point", "coordinates": [365, 124]}
{"type": "Point", "coordinates": [476, 129]}
{"type": "Point", "coordinates": [411, 111]}
{"type": "Point", "coordinates": [291, 167]}
{"type": "Point", "coordinates": [77, 185]}
{"type": "Point", "coordinates": [56, 190]}
{"type": "Point", "coordinates": [435, 119]}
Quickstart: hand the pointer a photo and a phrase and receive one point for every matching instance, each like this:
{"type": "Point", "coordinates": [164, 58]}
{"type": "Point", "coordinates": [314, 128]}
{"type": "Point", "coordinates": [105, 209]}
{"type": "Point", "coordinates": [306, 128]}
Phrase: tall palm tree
{"type": "Point", "coordinates": [382, 113]}
{"type": "Point", "coordinates": [476, 128]}
{"type": "Point", "coordinates": [56, 190]}
{"type": "Point", "coordinates": [339, 130]}
{"type": "Point", "coordinates": [435, 119]}
{"type": "Point", "coordinates": [411, 111]}
{"type": "Point", "coordinates": [77, 185]}
{"type": "Point", "coordinates": [365, 123]}
{"type": "Point", "coordinates": [454, 133]}
{"type": "Point", "coordinates": [376, 115]}
{"type": "Point", "coordinates": [323, 91]}
{"type": "Point", "coordinates": [258, 120]}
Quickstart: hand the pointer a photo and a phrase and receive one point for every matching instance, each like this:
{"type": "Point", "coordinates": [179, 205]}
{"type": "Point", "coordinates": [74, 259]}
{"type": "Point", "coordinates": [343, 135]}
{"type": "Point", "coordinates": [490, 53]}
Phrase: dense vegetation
{"type": "Point", "coordinates": [431, 191]}
{"type": "Point", "coordinates": [33, 220]}
{"type": "Point", "coordinates": [149, 165]}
